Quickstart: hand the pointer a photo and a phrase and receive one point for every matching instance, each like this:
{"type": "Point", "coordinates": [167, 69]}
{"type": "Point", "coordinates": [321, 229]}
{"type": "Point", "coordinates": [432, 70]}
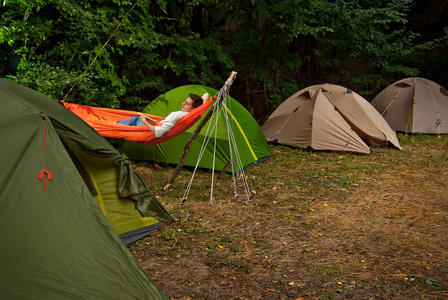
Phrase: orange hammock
{"type": "Point", "coordinates": [137, 134]}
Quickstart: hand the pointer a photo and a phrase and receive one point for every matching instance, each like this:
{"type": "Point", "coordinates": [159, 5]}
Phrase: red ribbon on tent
{"type": "Point", "coordinates": [44, 172]}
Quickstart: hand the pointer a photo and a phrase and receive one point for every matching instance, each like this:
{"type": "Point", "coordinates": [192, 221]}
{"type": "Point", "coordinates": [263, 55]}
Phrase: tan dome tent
{"type": "Point", "coordinates": [414, 105]}
{"type": "Point", "coordinates": [328, 117]}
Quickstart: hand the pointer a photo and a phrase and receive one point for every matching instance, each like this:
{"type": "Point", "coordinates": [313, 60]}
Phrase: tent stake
{"type": "Point", "coordinates": [207, 116]}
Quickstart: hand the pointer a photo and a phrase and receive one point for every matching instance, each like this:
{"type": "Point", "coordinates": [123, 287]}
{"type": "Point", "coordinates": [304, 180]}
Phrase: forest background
{"type": "Point", "coordinates": [123, 54]}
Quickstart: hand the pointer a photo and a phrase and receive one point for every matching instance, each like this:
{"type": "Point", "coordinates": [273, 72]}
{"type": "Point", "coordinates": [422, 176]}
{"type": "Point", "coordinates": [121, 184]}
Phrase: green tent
{"type": "Point", "coordinates": [59, 179]}
{"type": "Point", "coordinates": [252, 146]}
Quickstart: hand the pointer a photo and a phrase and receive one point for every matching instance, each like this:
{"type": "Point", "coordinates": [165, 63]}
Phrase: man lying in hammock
{"type": "Point", "coordinates": [193, 101]}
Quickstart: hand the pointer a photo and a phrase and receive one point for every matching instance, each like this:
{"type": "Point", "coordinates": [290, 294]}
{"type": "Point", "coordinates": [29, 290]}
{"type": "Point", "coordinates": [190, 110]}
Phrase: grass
{"type": "Point", "coordinates": [326, 225]}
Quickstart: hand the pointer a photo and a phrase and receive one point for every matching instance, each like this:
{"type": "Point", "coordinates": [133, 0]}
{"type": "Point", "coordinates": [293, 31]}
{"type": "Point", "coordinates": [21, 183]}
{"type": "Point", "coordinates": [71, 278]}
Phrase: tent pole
{"type": "Point", "coordinates": [207, 116]}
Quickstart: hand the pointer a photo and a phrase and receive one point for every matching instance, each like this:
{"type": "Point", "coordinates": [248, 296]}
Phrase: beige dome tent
{"type": "Point", "coordinates": [414, 105]}
{"type": "Point", "coordinates": [328, 117]}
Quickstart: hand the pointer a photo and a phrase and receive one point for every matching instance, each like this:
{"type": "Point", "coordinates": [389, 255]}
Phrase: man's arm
{"type": "Point", "coordinates": [151, 127]}
{"type": "Point", "coordinates": [168, 123]}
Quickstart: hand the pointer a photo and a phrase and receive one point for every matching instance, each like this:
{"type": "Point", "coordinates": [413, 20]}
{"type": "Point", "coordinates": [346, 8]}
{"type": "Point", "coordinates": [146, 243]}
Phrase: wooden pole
{"type": "Point", "coordinates": [224, 169]}
{"type": "Point", "coordinates": [204, 120]}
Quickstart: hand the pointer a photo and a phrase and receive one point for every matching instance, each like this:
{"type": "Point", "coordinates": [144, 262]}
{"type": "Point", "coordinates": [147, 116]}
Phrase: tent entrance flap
{"type": "Point", "coordinates": [103, 179]}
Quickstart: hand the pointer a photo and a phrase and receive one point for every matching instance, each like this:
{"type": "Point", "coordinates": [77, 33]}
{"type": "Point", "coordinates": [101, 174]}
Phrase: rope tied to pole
{"type": "Point", "coordinates": [205, 118]}
{"type": "Point", "coordinates": [222, 111]}
{"type": "Point", "coordinates": [229, 82]}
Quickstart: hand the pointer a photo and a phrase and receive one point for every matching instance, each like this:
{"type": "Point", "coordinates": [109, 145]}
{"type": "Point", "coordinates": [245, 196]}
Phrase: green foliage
{"type": "Point", "coordinates": [106, 53]}
{"type": "Point", "coordinates": [122, 53]}
{"type": "Point", "coordinates": [280, 47]}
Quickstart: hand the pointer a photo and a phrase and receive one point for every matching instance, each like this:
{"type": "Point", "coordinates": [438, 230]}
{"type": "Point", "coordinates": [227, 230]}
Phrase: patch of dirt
{"type": "Point", "coordinates": [325, 225]}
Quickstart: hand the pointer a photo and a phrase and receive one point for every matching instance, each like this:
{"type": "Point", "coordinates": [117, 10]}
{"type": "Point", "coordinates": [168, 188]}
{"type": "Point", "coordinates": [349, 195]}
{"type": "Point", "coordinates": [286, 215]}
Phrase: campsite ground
{"type": "Point", "coordinates": [326, 225]}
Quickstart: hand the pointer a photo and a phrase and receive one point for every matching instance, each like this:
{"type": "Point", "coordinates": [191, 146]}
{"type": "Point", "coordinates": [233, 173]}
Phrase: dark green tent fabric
{"type": "Point", "coordinates": [252, 146]}
{"type": "Point", "coordinates": [56, 241]}
{"type": "Point", "coordinates": [127, 202]}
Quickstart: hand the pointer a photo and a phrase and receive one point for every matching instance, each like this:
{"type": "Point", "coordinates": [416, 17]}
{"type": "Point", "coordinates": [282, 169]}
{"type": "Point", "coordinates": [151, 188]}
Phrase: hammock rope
{"type": "Point", "coordinates": [99, 51]}
{"type": "Point", "coordinates": [205, 142]}
{"type": "Point", "coordinates": [234, 152]}
{"type": "Point", "coordinates": [201, 124]}
{"type": "Point", "coordinates": [235, 159]}
{"type": "Point", "coordinates": [211, 127]}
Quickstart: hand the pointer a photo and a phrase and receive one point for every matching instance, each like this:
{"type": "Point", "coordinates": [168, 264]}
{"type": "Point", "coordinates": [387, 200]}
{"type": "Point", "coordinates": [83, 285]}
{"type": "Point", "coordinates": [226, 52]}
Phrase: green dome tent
{"type": "Point", "coordinates": [60, 180]}
{"type": "Point", "coordinates": [252, 146]}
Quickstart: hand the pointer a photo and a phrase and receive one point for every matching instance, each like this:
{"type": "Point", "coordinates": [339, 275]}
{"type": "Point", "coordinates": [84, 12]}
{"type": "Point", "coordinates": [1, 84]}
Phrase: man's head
{"type": "Point", "coordinates": [191, 102]}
